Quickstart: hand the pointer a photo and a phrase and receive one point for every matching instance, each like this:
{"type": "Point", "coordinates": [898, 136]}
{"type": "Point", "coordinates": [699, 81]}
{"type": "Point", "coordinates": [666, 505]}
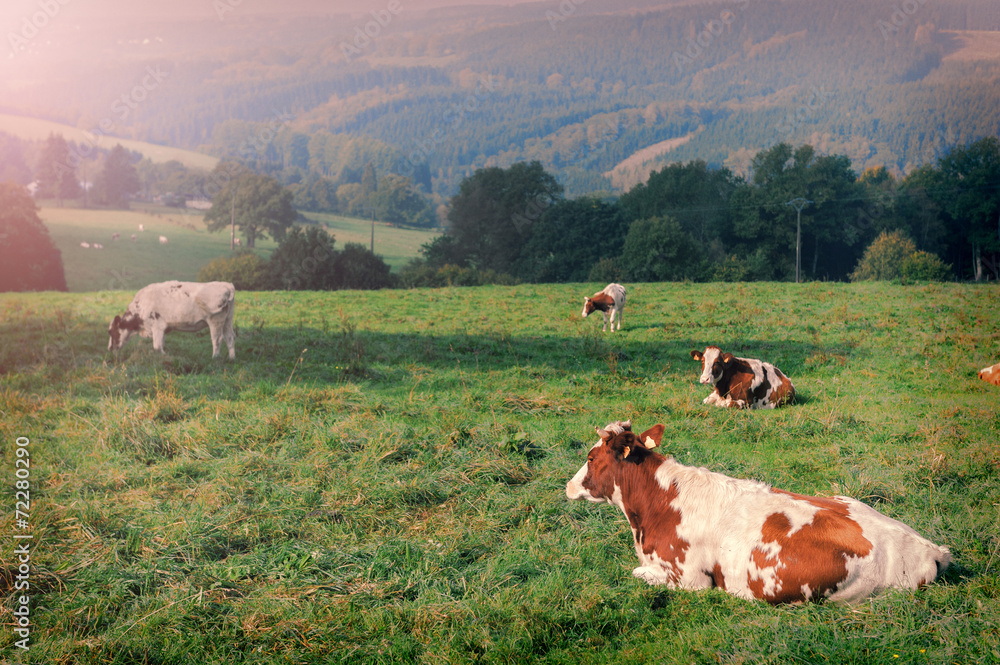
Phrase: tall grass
{"type": "Point", "coordinates": [378, 477]}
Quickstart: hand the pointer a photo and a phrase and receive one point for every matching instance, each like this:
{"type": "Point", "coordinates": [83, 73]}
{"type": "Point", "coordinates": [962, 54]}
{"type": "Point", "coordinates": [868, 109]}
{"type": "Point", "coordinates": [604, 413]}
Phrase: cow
{"type": "Point", "coordinates": [183, 306]}
{"type": "Point", "coordinates": [698, 529]}
{"type": "Point", "coordinates": [97, 245]}
{"type": "Point", "coordinates": [237, 242]}
{"type": "Point", "coordinates": [85, 245]}
{"type": "Point", "coordinates": [141, 229]}
{"type": "Point", "coordinates": [611, 301]}
{"type": "Point", "coordinates": [163, 240]}
{"type": "Point", "coordinates": [991, 374]}
{"type": "Point", "coordinates": [115, 236]}
{"type": "Point", "coordinates": [742, 383]}
{"type": "Point", "coordinates": [133, 237]}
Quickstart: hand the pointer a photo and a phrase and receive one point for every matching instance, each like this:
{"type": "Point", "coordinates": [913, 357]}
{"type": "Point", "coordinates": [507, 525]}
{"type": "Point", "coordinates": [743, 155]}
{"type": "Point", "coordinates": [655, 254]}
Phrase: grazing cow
{"type": "Point", "coordinates": [237, 242]}
{"type": "Point", "coordinates": [115, 236]}
{"type": "Point", "coordinates": [184, 306]}
{"type": "Point", "coordinates": [991, 374]}
{"type": "Point", "coordinates": [611, 301]}
{"type": "Point", "coordinates": [85, 245]}
{"type": "Point", "coordinates": [97, 245]}
{"type": "Point", "coordinates": [742, 383]}
{"type": "Point", "coordinates": [697, 529]}
{"type": "Point", "coordinates": [133, 237]}
{"type": "Point", "coordinates": [141, 229]}
{"type": "Point", "coordinates": [163, 240]}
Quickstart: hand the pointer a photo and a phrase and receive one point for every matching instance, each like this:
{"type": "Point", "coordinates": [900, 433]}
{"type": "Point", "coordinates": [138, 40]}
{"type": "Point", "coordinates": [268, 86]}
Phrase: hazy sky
{"type": "Point", "coordinates": [14, 12]}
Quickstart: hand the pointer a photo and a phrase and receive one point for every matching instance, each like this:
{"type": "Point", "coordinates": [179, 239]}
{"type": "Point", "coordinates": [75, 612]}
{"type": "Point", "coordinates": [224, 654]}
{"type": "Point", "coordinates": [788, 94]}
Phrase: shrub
{"type": "Point", "coordinates": [357, 268]}
{"type": "Point", "coordinates": [607, 270]}
{"type": "Point", "coordinates": [894, 256]}
{"type": "Point", "coordinates": [304, 261]}
{"type": "Point", "coordinates": [925, 267]}
{"type": "Point", "coordinates": [418, 273]}
{"type": "Point", "coordinates": [247, 271]}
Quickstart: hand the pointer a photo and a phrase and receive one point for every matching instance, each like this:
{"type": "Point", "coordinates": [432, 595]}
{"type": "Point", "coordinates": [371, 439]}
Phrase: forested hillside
{"type": "Point", "coordinates": [578, 86]}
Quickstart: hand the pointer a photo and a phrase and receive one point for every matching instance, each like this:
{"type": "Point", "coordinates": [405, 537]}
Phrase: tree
{"type": "Point", "coordinates": [29, 260]}
{"type": "Point", "coordinates": [357, 268]}
{"type": "Point", "coordinates": [492, 216]}
{"type": "Point", "coordinates": [55, 174]}
{"type": "Point", "coordinates": [262, 206]}
{"type": "Point", "coordinates": [569, 238]}
{"type": "Point", "coordinates": [118, 180]}
{"type": "Point", "coordinates": [397, 202]}
{"type": "Point", "coordinates": [13, 167]}
{"type": "Point", "coordinates": [970, 195]}
{"type": "Point", "coordinates": [304, 261]}
{"type": "Point", "coordinates": [659, 250]}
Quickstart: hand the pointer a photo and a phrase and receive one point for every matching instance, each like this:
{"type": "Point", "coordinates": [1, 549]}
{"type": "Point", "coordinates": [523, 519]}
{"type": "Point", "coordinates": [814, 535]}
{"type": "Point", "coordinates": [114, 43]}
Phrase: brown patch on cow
{"type": "Point", "coordinates": [600, 301]}
{"type": "Point", "coordinates": [718, 579]}
{"type": "Point", "coordinates": [814, 556]}
{"type": "Point", "coordinates": [736, 385]}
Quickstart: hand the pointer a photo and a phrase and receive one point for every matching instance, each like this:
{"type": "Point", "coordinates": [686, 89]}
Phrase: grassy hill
{"type": "Point", "coordinates": [128, 265]}
{"type": "Point", "coordinates": [36, 129]}
{"type": "Point", "coordinates": [379, 476]}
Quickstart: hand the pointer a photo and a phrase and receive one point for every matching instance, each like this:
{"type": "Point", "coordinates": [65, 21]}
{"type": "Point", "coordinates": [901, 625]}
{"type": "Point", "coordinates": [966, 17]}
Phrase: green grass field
{"type": "Point", "coordinates": [379, 476]}
{"type": "Point", "coordinates": [127, 265]}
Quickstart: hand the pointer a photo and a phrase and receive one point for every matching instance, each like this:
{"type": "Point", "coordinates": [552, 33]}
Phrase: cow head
{"type": "Point", "coordinates": [588, 307]}
{"type": "Point", "coordinates": [713, 363]}
{"type": "Point", "coordinates": [121, 329]}
{"type": "Point", "coordinates": [595, 481]}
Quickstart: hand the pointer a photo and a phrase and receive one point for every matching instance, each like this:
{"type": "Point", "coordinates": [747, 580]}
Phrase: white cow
{"type": "Point", "coordinates": [163, 240]}
{"type": "Point", "coordinates": [184, 306]}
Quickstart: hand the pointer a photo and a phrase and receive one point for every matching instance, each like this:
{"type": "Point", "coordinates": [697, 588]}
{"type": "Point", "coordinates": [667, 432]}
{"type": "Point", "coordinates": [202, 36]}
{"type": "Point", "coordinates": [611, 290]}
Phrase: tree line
{"type": "Point", "coordinates": [690, 221]}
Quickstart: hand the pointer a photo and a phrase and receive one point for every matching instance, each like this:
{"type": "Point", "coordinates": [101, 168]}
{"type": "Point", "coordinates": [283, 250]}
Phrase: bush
{"type": "Point", "coordinates": [924, 267]}
{"type": "Point", "coordinates": [607, 270]}
{"type": "Point", "coordinates": [418, 273]}
{"type": "Point", "coordinates": [357, 268]}
{"type": "Point", "coordinates": [895, 256]}
{"type": "Point", "coordinates": [247, 271]}
{"type": "Point", "coordinates": [304, 261]}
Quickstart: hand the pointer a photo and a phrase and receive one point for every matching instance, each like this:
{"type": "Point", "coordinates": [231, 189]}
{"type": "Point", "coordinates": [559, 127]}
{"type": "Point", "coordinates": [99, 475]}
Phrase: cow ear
{"type": "Point", "coordinates": [117, 322]}
{"type": "Point", "coordinates": [651, 438]}
{"type": "Point", "coordinates": [604, 434]}
{"type": "Point", "coordinates": [623, 444]}
{"type": "Point", "coordinates": [697, 356]}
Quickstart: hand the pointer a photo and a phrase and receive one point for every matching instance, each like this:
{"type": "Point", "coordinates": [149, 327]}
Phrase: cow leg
{"type": "Point", "coordinates": [230, 337]}
{"type": "Point", "coordinates": [216, 338]}
{"type": "Point", "coordinates": [158, 335]}
{"type": "Point", "coordinates": [652, 575]}
{"type": "Point", "coordinates": [604, 328]}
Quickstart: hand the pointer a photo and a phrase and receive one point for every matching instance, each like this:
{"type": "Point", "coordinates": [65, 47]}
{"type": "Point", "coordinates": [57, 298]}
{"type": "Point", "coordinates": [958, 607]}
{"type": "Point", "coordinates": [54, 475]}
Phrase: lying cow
{"type": "Point", "coordinates": [742, 383]}
{"type": "Point", "coordinates": [610, 301]}
{"type": "Point", "coordinates": [991, 374]}
{"type": "Point", "coordinates": [184, 306]}
{"type": "Point", "coordinates": [696, 529]}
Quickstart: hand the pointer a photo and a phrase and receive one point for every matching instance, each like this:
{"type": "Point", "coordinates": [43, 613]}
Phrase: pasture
{"type": "Point", "coordinates": [127, 265]}
{"type": "Point", "coordinates": [379, 476]}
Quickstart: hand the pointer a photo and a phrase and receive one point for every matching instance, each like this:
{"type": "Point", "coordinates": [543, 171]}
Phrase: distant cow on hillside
{"type": "Point", "coordinates": [610, 301]}
{"type": "Point", "coordinates": [85, 245]}
{"type": "Point", "coordinates": [163, 240]}
{"type": "Point", "coordinates": [991, 374]}
{"type": "Point", "coordinates": [742, 383]}
{"type": "Point", "coordinates": [696, 529]}
{"type": "Point", "coordinates": [183, 306]}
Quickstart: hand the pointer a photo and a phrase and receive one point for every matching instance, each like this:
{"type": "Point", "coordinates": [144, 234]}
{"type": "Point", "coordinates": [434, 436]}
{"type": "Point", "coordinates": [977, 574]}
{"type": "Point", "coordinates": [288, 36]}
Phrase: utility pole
{"type": "Point", "coordinates": [798, 203]}
{"type": "Point", "coordinates": [232, 224]}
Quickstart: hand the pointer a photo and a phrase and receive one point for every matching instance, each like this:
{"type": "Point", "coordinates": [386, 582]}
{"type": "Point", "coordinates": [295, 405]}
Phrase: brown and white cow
{"type": "Point", "coordinates": [610, 301]}
{"type": "Point", "coordinates": [183, 306]}
{"type": "Point", "coordinates": [991, 374]}
{"type": "Point", "coordinates": [742, 383]}
{"type": "Point", "coordinates": [697, 529]}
